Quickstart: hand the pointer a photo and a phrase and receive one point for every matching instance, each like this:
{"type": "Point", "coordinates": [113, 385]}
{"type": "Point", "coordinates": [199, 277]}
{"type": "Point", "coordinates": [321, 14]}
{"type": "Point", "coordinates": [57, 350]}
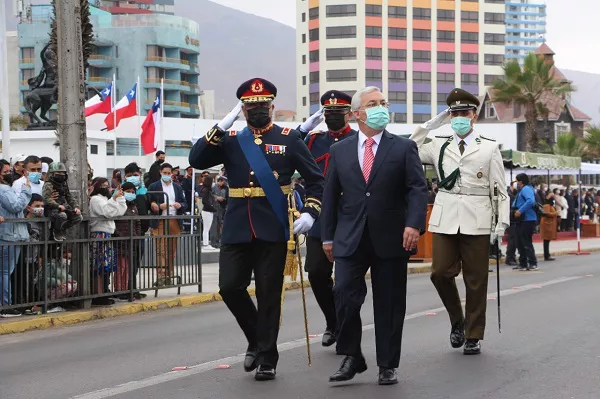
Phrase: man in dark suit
{"type": "Point", "coordinates": [166, 248]}
{"type": "Point", "coordinates": [374, 208]}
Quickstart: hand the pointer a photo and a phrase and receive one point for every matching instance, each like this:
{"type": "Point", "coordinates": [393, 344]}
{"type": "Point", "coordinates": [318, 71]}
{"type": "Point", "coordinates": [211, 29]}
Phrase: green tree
{"type": "Point", "coordinates": [528, 86]}
{"type": "Point", "coordinates": [568, 145]}
{"type": "Point", "coordinates": [591, 141]}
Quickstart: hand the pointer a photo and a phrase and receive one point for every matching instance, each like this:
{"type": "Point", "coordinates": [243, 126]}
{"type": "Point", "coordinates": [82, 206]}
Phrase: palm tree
{"type": "Point", "coordinates": [528, 86]}
{"type": "Point", "coordinates": [568, 145]}
{"type": "Point", "coordinates": [591, 140]}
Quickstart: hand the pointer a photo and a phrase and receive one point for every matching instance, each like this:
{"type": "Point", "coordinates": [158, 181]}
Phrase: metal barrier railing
{"type": "Point", "coordinates": [83, 269]}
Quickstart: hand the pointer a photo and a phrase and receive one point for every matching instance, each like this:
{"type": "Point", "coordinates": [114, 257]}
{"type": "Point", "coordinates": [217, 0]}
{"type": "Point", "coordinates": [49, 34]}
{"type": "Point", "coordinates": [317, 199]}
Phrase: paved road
{"type": "Point", "coordinates": [549, 348]}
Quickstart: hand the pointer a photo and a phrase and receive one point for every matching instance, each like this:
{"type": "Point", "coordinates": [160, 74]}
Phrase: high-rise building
{"type": "Point", "coordinates": [525, 27]}
{"type": "Point", "coordinates": [415, 51]}
{"type": "Point", "coordinates": [153, 47]}
{"type": "Point", "coordinates": [136, 6]}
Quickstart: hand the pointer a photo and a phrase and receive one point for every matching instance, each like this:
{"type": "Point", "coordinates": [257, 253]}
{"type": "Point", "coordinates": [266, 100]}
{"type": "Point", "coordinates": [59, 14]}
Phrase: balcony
{"type": "Point", "coordinates": [98, 82]}
{"type": "Point", "coordinates": [27, 63]}
{"type": "Point", "coordinates": [177, 106]}
{"type": "Point", "coordinates": [167, 63]}
{"type": "Point", "coordinates": [101, 61]}
{"type": "Point", "coordinates": [171, 84]}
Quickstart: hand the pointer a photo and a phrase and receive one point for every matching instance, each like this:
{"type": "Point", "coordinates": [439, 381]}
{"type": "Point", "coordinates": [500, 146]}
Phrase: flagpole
{"type": "Point", "coordinates": [193, 199]}
{"type": "Point", "coordinates": [162, 114]}
{"type": "Point", "coordinates": [138, 106]}
{"type": "Point", "coordinates": [115, 120]}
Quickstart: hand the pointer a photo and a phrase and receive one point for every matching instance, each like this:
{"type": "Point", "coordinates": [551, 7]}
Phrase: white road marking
{"type": "Point", "coordinates": [286, 346]}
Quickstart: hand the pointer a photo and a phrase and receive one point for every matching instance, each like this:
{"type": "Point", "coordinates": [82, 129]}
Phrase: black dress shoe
{"type": "Point", "coordinates": [328, 338]}
{"type": "Point", "coordinates": [250, 361]}
{"type": "Point", "coordinates": [350, 366]}
{"type": "Point", "coordinates": [457, 334]}
{"type": "Point", "coordinates": [549, 259]}
{"type": "Point", "coordinates": [472, 347]}
{"type": "Point", "coordinates": [264, 373]}
{"type": "Point", "coordinates": [387, 376]}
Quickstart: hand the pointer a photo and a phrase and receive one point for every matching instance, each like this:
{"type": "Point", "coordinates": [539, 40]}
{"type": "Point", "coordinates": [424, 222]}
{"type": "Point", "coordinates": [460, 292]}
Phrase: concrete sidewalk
{"type": "Point", "coordinates": [168, 298]}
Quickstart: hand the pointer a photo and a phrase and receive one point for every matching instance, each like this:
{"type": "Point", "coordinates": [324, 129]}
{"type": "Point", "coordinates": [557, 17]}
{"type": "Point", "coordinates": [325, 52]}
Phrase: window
{"type": "Point", "coordinates": [341, 75]}
{"type": "Point", "coordinates": [445, 15]}
{"type": "Point", "coordinates": [469, 37]}
{"type": "Point", "coordinates": [399, 118]}
{"type": "Point", "coordinates": [469, 16]}
{"type": "Point", "coordinates": [27, 55]}
{"type": "Point", "coordinates": [560, 129]}
{"type": "Point", "coordinates": [422, 35]}
{"type": "Point", "coordinates": [304, 101]}
{"type": "Point", "coordinates": [396, 55]}
{"type": "Point", "coordinates": [373, 74]}
{"type": "Point", "coordinates": [469, 58]}
{"type": "Point", "coordinates": [314, 77]}
{"type": "Point", "coordinates": [348, 53]}
{"type": "Point", "coordinates": [421, 118]}
{"type": "Point", "coordinates": [343, 10]}
{"type": "Point", "coordinates": [490, 79]}
{"type": "Point", "coordinates": [373, 53]}
{"type": "Point", "coordinates": [313, 34]}
{"type": "Point", "coordinates": [94, 149]}
{"type": "Point", "coordinates": [445, 77]}
{"type": "Point", "coordinates": [129, 146]}
{"type": "Point", "coordinates": [304, 38]}
{"type": "Point", "coordinates": [313, 56]}
{"type": "Point", "coordinates": [314, 98]}
{"type": "Point", "coordinates": [445, 57]}
{"type": "Point", "coordinates": [341, 32]}
{"type": "Point", "coordinates": [493, 59]}
{"type": "Point", "coordinates": [397, 76]}
{"type": "Point", "coordinates": [446, 36]}
{"type": "Point", "coordinates": [469, 79]}
{"type": "Point", "coordinates": [441, 98]}
{"type": "Point", "coordinates": [313, 13]}
{"type": "Point", "coordinates": [396, 12]}
{"type": "Point", "coordinates": [494, 18]}
{"type": "Point", "coordinates": [303, 59]}
{"type": "Point", "coordinates": [397, 96]}
{"type": "Point", "coordinates": [373, 31]}
{"type": "Point", "coordinates": [373, 10]}
{"type": "Point", "coordinates": [421, 98]}
{"type": "Point", "coordinates": [421, 13]}
{"type": "Point", "coordinates": [304, 80]}
{"type": "Point", "coordinates": [178, 148]}
{"type": "Point", "coordinates": [303, 17]}
{"type": "Point", "coordinates": [494, 38]}
{"type": "Point", "coordinates": [421, 77]}
{"type": "Point", "coordinates": [421, 56]}
{"type": "Point", "coordinates": [495, 1]}
{"type": "Point", "coordinates": [397, 33]}
{"type": "Point", "coordinates": [490, 111]}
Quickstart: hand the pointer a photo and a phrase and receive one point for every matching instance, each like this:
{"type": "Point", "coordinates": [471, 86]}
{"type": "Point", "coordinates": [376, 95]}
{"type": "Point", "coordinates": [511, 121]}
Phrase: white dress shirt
{"type": "Point", "coordinates": [467, 139]}
{"type": "Point", "coordinates": [362, 138]}
{"type": "Point", "coordinates": [170, 191]}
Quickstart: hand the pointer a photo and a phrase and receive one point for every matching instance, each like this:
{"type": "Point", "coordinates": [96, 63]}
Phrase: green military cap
{"type": "Point", "coordinates": [460, 99]}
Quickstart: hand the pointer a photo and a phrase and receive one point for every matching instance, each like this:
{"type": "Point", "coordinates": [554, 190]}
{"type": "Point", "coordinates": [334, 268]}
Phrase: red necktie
{"type": "Point", "coordinates": [368, 158]}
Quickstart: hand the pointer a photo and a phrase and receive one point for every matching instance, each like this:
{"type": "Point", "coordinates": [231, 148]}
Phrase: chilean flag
{"type": "Point", "coordinates": [151, 127]}
{"type": "Point", "coordinates": [99, 104]}
{"type": "Point", "coordinates": [125, 108]}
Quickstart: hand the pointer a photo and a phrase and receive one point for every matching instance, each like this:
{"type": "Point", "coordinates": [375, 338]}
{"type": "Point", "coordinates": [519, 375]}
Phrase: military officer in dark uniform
{"type": "Point", "coordinates": [336, 109]}
{"type": "Point", "coordinates": [260, 161]}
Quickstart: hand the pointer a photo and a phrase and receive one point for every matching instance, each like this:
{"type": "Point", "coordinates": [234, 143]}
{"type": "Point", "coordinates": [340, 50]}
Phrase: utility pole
{"type": "Point", "coordinates": [71, 119]}
{"type": "Point", "coordinates": [4, 106]}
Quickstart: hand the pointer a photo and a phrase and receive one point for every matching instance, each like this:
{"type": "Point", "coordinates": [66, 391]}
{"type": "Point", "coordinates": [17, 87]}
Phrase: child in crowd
{"type": "Point", "coordinates": [61, 208]}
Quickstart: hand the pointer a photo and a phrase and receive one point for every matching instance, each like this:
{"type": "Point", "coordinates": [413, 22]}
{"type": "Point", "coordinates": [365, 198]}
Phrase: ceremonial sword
{"type": "Point", "coordinates": [494, 224]}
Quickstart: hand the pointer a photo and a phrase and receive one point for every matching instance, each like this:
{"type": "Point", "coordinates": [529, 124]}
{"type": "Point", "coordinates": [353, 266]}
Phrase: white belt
{"type": "Point", "coordinates": [480, 191]}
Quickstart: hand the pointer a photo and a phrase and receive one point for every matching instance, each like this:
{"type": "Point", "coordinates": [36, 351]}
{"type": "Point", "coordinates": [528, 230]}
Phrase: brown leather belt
{"type": "Point", "coordinates": [254, 192]}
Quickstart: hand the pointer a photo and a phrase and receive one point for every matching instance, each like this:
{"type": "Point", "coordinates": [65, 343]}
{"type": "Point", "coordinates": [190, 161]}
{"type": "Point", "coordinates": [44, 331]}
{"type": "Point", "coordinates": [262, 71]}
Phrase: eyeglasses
{"type": "Point", "coordinates": [373, 103]}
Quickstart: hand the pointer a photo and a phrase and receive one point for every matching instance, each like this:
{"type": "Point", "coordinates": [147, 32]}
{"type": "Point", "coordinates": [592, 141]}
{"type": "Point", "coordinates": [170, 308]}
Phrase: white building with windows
{"type": "Point", "coordinates": [525, 27]}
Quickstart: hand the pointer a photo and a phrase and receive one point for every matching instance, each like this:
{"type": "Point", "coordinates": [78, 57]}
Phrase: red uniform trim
{"type": "Point", "coordinates": [311, 140]}
{"type": "Point", "coordinates": [286, 131]}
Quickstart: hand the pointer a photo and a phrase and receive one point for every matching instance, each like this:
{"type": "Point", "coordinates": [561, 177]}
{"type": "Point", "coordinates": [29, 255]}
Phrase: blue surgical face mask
{"type": "Point", "coordinates": [461, 125]}
{"type": "Point", "coordinates": [35, 177]}
{"type": "Point", "coordinates": [129, 197]}
{"type": "Point", "coordinates": [377, 117]}
{"type": "Point", "coordinates": [135, 180]}
{"type": "Point", "coordinates": [166, 178]}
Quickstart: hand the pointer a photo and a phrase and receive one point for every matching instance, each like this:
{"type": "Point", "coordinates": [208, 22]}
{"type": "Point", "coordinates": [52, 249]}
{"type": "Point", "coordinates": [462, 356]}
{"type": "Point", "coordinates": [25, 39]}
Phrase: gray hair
{"type": "Point", "coordinates": [357, 98]}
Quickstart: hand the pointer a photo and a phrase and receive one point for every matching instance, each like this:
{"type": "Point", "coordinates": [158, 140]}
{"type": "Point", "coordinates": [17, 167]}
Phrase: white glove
{"type": "Point", "coordinates": [437, 121]}
{"type": "Point", "coordinates": [496, 234]}
{"type": "Point", "coordinates": [231, 117]}
{"type": "Point", "coordinates": [303, 223]}
{"type": "Point", "coordinates": [312, 122]}
{"type": "Point", "coordinates": [195, 139]}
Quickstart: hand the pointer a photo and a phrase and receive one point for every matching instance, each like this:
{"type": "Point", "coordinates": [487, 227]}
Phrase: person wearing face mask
{"type": "Point", "coordinates": [154, 172]}
{"type": "Point", "coordinates": [549, 224]}
{"type": "Point", "coordinates": [126, 229]}
{"type": "Point", "coordinates": [61, 207]}
{"type": "Point", "coordinates": [260, 161]}
{"type": "Point", "coordinates": [374, 208]}
{"type": "Point", "coordinates": [336, 106]}
{"type": "Point", "coordinates": [469, 166]}
{"type": "Point", "coordinates": [32, 172]}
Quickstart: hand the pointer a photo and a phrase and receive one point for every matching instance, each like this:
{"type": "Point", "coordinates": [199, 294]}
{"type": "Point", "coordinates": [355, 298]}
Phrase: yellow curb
{"type": "Point", "coordinates": [76, 317]}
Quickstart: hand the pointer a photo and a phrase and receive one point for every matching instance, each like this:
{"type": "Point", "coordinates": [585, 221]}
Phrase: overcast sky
{"type": "Point", "coordinates": [573, 27]}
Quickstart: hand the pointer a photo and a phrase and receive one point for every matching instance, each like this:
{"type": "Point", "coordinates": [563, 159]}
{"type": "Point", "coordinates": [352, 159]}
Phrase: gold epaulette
{"type": "Point", "coordinates": [313, 203]}
{"type": "Point", "coordinates": [286, 131]}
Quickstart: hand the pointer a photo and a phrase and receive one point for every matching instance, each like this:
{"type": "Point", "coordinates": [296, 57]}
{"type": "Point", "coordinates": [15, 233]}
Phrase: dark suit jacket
{"type": "Point", "coordinates": [160, 198]}
{"type": "Point", "coordinates": [395, 197]}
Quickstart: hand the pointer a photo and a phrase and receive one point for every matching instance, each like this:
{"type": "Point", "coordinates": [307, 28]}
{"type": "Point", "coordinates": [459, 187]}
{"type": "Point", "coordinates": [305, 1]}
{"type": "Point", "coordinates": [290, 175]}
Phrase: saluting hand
{"type": "Point", "coordinates": [411, 238]}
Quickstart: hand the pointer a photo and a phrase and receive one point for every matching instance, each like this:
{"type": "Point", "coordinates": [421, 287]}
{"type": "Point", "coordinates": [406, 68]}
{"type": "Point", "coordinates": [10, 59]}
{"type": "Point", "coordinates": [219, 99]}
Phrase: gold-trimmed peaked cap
{"type": "Point", "coordinates": [256, 90]}
{"type": "Point", "coordinates": [335, 99]}
{"type": "Point", "coordinates": [459, 100]}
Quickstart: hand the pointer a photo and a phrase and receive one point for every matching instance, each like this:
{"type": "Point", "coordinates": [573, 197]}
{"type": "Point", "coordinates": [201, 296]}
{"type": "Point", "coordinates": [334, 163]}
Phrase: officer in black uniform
{"type": "Point", "coordinates": [336, 107]}
{"type": "Point", "coordinates": [254, 234]}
